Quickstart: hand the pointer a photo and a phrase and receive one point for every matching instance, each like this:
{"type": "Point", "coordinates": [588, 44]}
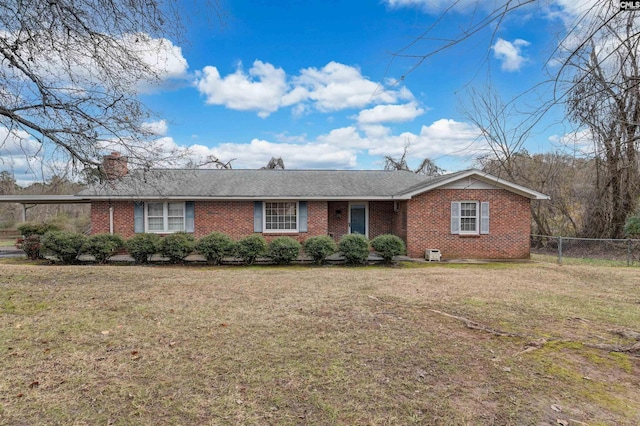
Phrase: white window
{"type": "Point", "coordinates": [281, 216]}
{"type": "Point", "coordinates": [469, 217]}
{"type": "Point", "coordinates": [165, 217]}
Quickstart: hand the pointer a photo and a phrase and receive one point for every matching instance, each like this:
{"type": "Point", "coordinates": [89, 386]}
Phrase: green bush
{"type": "Point", "coordinates": [65, 245]}
{"type": "Point", "coordinates": [177, 246]}
{"type": "Point", "coordinates": [103, 246]}
{"type": "Point", "coordinates": [354, 248]}
{"type": "Point", "coordinates": [283, 250]}
{"type": "Point", "coordinates": [142, 246]}
{"type": "Point", "coordinates": [320, 247]}
{"type": "Point", "coordinates": [31, 246]}
{"type": "Point", "coordinates": [388, 245]}
{"type": "Point", "coordinates": [632, 227]}
{"type": "Point", "coordinates": [28, 229]}
{"type": "Point", "coordinates": [249, 248]}
{"type": "Point", "coordinates": [215, 246]}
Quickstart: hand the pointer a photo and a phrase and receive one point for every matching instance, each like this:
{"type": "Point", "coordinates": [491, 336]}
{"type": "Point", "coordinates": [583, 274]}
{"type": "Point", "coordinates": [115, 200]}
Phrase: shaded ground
{"type": "Point", "coordinates": [318, 345]}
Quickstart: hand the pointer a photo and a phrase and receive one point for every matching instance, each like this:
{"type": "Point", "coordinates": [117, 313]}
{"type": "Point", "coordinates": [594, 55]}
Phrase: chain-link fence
{"type": "Point", "coordinates": [586, 250]}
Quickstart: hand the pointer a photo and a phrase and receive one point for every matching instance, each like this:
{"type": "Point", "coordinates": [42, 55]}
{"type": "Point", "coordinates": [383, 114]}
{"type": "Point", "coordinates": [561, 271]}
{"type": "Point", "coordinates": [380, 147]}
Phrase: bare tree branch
{"type": "Point", "coordinates": [71, 72]}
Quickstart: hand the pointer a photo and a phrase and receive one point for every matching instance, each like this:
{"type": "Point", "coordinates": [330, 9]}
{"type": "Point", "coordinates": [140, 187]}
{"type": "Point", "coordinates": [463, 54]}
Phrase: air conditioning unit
{"type": "Point", "coordinates": [432, 255]}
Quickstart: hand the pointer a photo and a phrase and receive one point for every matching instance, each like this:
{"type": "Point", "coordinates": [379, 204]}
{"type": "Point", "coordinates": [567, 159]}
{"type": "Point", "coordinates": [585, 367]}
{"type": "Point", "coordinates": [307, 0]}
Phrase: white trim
{"type": "Point", "coordinates": [110, 219]}
{"type": "Point", "coordinates": [366, 215]}
{"type": "Point", "coordinates": [165, 216]}
{"type": "Point", "coordinates": [280, 231]}
{"type": "Point", "coordinates": [480, 175]}
{"type": "Point", "coordinates": [477, 217]}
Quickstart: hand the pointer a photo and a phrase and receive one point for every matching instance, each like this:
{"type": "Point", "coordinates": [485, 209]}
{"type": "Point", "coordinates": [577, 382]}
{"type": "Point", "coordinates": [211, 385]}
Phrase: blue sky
{"type": "Point", "coordinates": [316, 82]}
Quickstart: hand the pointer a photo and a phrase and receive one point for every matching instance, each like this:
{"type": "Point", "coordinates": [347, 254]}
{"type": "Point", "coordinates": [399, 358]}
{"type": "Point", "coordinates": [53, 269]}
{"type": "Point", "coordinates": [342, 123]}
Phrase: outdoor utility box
{"type": "Point", "coordinates": [432, 255]}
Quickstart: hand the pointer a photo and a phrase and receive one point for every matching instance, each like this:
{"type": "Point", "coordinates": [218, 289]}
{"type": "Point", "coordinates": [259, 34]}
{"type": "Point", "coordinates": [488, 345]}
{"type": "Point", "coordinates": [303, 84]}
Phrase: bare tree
{"type": "Point", "coordinates": [594, 72]}
{"type": "Point", "coordinates": [604, 97]}
{"type": "Point", "coordinates": [274, 164]}
{"type": "Point", "coordinates": [427, 167]}
{"type": "Point", "coordinates": [565, 178]}
{"type": "Point", "coordinates": [505, 129]}
{"type": "Point", "coordinates": [70, 72]}
{"type": "Point", "coordinates": [502, 127]}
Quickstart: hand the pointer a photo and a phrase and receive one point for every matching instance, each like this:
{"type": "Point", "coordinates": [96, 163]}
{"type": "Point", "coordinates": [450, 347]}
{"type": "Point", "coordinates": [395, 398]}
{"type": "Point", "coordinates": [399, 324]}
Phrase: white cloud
{"type": "Point", "coordinates": [261, 90]}
{"type": "Point", "coordinates": [310, 155]}
{"type": "Point", "coordinates": [345, 137]}
{"type": "Point", "coordinates": [510, 53]}
{"type": "Point", "coordinates": [21, 155]}
{"type": "Point", "coordinates": [158, 128]}
{"type": "Point", "coordinates": [579, 141]}
{"type": "Point", "coordinates": [569, 10]}
{"type": "Point", "coordinates": [266, 89]}
{"type": "Point", "coordinates": [390, 113]}
{"type": "Point", "coordinates": [337, 86]}
{"type": "Point", "coordinates": [339, 148]}
{"type": "Point", "coordinates": [255, 154]}
{"type": "Point", "coordinates": [75, 67]}
{"type": "Point", "coordinates": [436, 5]}
{"type": "Point", "coordinates": [162, 57]}
{"type": "Point", "coordinates": [442, 137]}
{"type": "Point", "coordinates": [336, 149]}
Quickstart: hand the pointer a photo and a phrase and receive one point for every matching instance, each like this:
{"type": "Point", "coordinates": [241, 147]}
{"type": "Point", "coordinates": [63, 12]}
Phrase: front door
{"type": "Point", "coordinates": [358, 219]}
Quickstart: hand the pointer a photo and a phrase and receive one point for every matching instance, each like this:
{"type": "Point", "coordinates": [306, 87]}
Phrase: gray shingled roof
{"type": "Point", "coordinates": [259, 184]}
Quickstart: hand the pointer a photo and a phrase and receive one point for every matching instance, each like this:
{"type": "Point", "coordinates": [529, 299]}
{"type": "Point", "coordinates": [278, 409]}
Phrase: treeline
{"type": "Point", "coordinates": [577, 207]}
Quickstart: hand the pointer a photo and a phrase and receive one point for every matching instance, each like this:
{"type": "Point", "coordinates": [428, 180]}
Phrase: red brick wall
{"type": "Point", "coordinates": [381, 218]}
{"type": "Point", "coordinates": [338, 227]}
{"type": "Point", "coordinates": [234, 218]}
{"type": "Point", "coordinates": [429, 225]}
{"type": "Point", "coordinates": [122, 218]}
{"type": "Point", "coordinates": [423, 222]}
{"type": "Point", "coordinates": [400, 221]}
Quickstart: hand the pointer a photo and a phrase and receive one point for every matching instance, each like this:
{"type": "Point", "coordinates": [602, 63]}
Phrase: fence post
{"type": "Point", "coordinates": [628, 252]}
{"type": "Point", "coordinates": [559, 250]}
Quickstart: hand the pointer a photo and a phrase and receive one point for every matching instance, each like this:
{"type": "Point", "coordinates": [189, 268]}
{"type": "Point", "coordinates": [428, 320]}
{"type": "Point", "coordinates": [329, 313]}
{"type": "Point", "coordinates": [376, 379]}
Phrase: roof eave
{"type": "Point", "coordinates": [486, 177]}
{"type": "Point", "coordinates": [44, 199]}
{"type": "Point", "coordinates": [245, 198]}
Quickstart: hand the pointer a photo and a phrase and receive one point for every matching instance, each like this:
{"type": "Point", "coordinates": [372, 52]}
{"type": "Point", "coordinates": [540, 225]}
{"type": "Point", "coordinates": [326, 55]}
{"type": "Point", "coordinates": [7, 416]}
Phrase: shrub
{"type": "Point", "coordinates": [249, 248]}
{"type": "Point", "coordinates": [354, 248]}
{"type": "Point", "coordinates": [388, 246]}
{"type": "Point", "coordinates": [65, 245]}
{"type": "Point", "coordinates": [31, 246]}
{"type": "Point", "coordinates": [215, 246]}
{"type": "Point", "coordinates": [33, 228]}
{"type": "Point", "coordinates": [177, 246]}
{"type": "Point", "coordinates": [283, 250]}
{"type": "Point", "coordinates": [142, 246]}
{"type": "Point", "coordinates": [103, 246]}
{"type": "Point", "coordinates": [632, 227]}
{"type": "Point", "coordinates": [320, 247]}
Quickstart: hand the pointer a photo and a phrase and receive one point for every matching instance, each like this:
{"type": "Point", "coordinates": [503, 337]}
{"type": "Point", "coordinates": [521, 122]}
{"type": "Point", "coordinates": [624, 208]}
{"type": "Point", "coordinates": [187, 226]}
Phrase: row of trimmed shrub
{"type": "Point", "coordinates": [67, 246]}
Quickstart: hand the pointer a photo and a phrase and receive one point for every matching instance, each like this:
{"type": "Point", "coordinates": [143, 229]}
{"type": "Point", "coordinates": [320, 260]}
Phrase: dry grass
{"type": "Point", "coordinates": [305, 345]}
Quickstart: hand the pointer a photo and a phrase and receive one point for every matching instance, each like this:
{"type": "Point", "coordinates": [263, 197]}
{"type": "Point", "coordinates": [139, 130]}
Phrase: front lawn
{"type": "Point", "coordinates": [433, 344]}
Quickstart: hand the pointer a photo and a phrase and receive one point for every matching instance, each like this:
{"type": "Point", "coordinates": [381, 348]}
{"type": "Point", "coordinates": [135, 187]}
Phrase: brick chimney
{"type": "Point", "coordinates": [114, 165]}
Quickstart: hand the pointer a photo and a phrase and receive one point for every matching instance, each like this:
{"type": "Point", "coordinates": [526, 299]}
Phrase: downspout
{"type": "Point", "coordinates": [110, 218]}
